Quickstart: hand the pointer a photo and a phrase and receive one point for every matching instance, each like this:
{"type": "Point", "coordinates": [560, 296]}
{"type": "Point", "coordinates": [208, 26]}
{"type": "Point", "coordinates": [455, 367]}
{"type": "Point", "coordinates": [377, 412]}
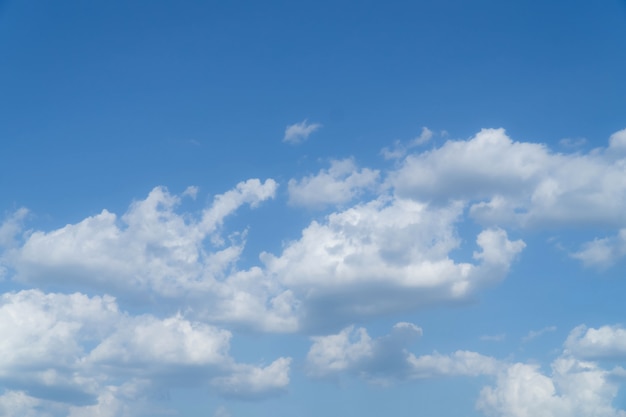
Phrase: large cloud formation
{"type": "Point", "coordinates": [388, 243]}
{"type": "Point", "coordinates": [574, 386]}
{"type": "Point", "coordinates": [74, 349]}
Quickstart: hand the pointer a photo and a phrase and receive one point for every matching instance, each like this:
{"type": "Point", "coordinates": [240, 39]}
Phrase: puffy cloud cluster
{"type": "Point", "coordinates": [606, 342]}
{"type": "Point", "coordinates": [505, 182]}
{"type": "Point", "coordinates": [385, 256]}
{"type": "Point", "coordinates": [521, 183]}
{"type": "Point", "coordinates": [387, 246]}
{"type": "Point", "coordinates": [387, 358]}
{"type": "Point", "coordinates": [80, 351]}
{"type": "Point", "coordinates": [574, 386]}
{"type": "Point", "coordinates": [339, 184]}
{"type": "Point", "coordinates": [151, 248]}
{"type": "Point", "coordinates": [153, 252]}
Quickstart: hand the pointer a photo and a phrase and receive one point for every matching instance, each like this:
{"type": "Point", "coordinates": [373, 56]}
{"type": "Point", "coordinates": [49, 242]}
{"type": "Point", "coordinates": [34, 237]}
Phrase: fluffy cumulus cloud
{"type": "Point", "coordinates": [384, 256]}
{"type": "Point", "coordinates": [387, 358]}
{"type": "Point", "coordinates": [151, 247]}
{"type": "Point", "coordinates": [606, 342]}
{"type": "Point", "coordinates": [78, 354]}
{"type": "Point", "coordinates": [381, 256]}
{"type": "Point", "coordinates": [575, 385]}
{"type": "Point", "coordinates": [389, 245]}
{"type": "Point", "coordinates": [152, 251]}
{"type": "Point", "coordinates": [339, 184]}
{"type": "Point", "coordinates": [574, 388]}
{"type": "Point", "coordinates": [521, 183]}
{"type": "Point", "coordinates": [510, 183]}
{"type": "Point", "coordinates": [299, 132]}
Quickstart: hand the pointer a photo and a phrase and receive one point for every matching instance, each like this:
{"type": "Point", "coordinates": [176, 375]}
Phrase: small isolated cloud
{"type": "Point", "coordinates": [191, 191]}
{"type": "Point", "coordinates": [533, 334]}
{"type": "Point", "coordinates": [572, 143]}
{"type": "Point", "coordinates": [340, 183]}
{"type": "Point", "coordinates": [602, 253]}
{"type": "Point", "coordinates": [299, 132]}
{"type": "Point", "coordinates": [493, 337]}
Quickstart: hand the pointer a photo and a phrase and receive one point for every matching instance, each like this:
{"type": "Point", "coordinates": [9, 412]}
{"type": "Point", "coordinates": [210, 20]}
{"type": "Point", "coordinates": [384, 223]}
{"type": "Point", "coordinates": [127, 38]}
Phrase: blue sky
{"type": "Point", "coordinates": [312, 208]}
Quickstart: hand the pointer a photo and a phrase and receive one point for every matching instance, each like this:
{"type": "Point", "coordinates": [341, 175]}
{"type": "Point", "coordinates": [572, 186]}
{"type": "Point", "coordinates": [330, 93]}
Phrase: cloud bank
{"type": "Point", "coordinates": [387, 243]}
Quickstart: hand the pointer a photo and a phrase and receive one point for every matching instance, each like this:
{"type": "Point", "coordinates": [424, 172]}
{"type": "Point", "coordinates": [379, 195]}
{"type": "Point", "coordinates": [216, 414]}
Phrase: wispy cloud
{"type": "Point", "coordinates": [533, 334]}
{"type": "Point", "coordinates": [400, 149]}
{"type": "Point", "coordinates": [493, 337]}
{"type": "Point", "coordinates": [299, 132]}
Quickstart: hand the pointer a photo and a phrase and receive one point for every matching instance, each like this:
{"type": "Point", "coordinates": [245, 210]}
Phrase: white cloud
{"type": "Point", "coordinates": [250, 382]}
{"type": "Point", "coordinates": [11, 227]}
{"type": "Point", "coordinates": [533, 334]}
{"type": "Point", "coordinates": [607, 342]}
{"type": "Point", "coordinates": [460, 363]}
{"type": "Point", "coordinates": [400, 149]}
{"type": "Point", "coordinates": [19, 404]}
{"type": "Point", "coordinates": [339, 184]}
{"type": "Point", "coordinates": [151, 248]}
{"type": "Point", "coordinates": [603, 252]}
{"type": "Point", "coordinates": [84, 355]}
{"type": "Point", "coordinates": [386, 358]}
{"type": "Point", "coordinates": [339, 352]}
{"type": "Point", "coordinates": [574, 389]}
{"type": "Point", "coordinates": [117, 401]}
{"type": "Point", "coordinates": [390, 254]}
{"type": "Point", "coordinates": [617, 141]}
{"type": "Point", "coordinates": [385, 256]}
{"type": "Point", "coordinates": [493, 337]}
{"type": "Point", "coordinates": [144, 341]}
{"type": "Point", "coordinates": [509, 182]}
{"type": "Point", "coordinates": [299, 132]}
